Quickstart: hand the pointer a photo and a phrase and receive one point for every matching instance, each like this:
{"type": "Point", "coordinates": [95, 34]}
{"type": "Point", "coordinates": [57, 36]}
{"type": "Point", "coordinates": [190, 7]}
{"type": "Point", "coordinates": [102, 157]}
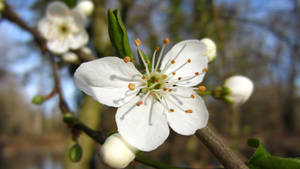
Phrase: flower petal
{"type": "Point", "coordinates": [187, 113]}
{"type": "Point", "coordinates": [57, 8]}
{"type": "Point", "coordinates": [107, 80]}
{"type": "Point", "coordinates": [133, 124]}
{"type": "Point", "coordinates": [79, 17]}
{"type": "Point", "coordinates": [184, 51]}
{"type": "Point", "coordinates": [58, 46]}
{"type": "Point", "coordinates": [79, 39]}
{"type": "Point", "coordinates": [46, 28]}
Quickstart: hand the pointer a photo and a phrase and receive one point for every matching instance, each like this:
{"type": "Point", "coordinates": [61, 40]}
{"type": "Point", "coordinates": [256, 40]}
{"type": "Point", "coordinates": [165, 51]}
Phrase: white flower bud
{"type": "Point", "coordinates": [240, 87]}
{"type": "Point", "coordinates": [86, 50]}
{"type": "Point", "coordinates": [86, 7]}
{"type": "Point", "coordinates": [211, 49]}
{"type": "Point", "coordinates": [70, 57]}
{"type": "Point", "coordinates": [116, 152]}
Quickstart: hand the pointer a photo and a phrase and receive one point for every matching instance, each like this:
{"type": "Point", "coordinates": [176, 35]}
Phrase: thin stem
{"type": "Point", "coordinates": [220, 150]}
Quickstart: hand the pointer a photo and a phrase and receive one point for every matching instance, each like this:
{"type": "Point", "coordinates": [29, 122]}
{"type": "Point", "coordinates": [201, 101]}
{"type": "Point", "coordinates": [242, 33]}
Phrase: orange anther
{"type": "Point", "coordinates": [189, 60]}
{"type": "Point", "coordinates": [157, 48]}
{"type": "Point", "coordinates": [192, 96]}
{"type": "Point", "coordinates": [196, 73]}
{"type": "Point", "coordinates": [174, 73]}
{"type": "Point", "coordinates": [189, 111]}
{"type": "Point", "coordinates": [205, 69]}
{"type": "Point", "coordinates": [137, 42]}
{"type": "Point", "coordinates": [179, 78]}
{"type": "Point", "coordinates": [147, 61]}
{"type": "Point", "coordinates": [171, 110]}
{"type": "Point", "coordinates": [202, 88]}
{"type": "Point", "coordinates": [139, 103]}
{"type": "Point", "coordinates": [166, 41]}
{"type": "Point", "coordinates": [143, 77]}
{"type": "Point", "coordinates": [164, 76]}
{"type": "Point", "coordinates": [126, 59]}
{"type": "Point", "coordinates": [131, 86]}
{"type": "Point", "coordinates": [170, 90]}
{"type": "Point", "coordinates": [164, 89]}
{"type": "Point", "coordinates": [172, 61]}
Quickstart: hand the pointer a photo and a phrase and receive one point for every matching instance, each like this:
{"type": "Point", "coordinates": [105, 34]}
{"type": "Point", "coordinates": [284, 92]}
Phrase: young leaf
{"type": "Point", "coordinates": [118, 34]}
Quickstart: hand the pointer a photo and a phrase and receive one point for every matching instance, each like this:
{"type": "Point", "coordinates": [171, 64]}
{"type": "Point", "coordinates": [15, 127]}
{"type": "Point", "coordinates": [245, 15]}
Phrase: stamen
{"type": "Point", "coordinates": [150, 113]}
{"type": "Point", "coordinates": [189, 111]}
{"type": "Point", "coordinates": [147, 62]}
{"type": "Point", "coordinates": [157, 48]}
{"type": "Point", "coordinates": [171, 110]}
{"type": "Point", "coordinates": [164, 89]}
{"type": "Point", "coordinates": [166, 41]}
{"type": "Point", "coordinates": [143, 77]}
{"type": "Point", "coordinates": [170, 90]}
{"type": "Point", "coordinates": [153, 58]}
{"type": "Point", "coordinates": [179, 78]}
{"type": "Point", "coordinates": [174, 73]}
{"type": "Point", "coordinates": [181, 66]}
{"type": "Point", "coordinates": [205, 69]}
{"type": "Point", "coordinates": [164, 76]}
{"type": "Point", "coordinates": [144, 62]}
{"type": "Point", "coordinates": [126, 59]}
{"type": "Point", "coordinates": [173, 61]}
{"type": "Point", "coordinates": [137, 42]}
{"type": "Point", "coordinates": [168, 65]}
{"type": "Point", "coordinates": [192, 96]}
{"type": "Point", "coordinates": [131, 86]}
{"type": "Point", "coordinates": [189, 60]}
{"type": "Point", "coordinates": [202, 88]}
{"type": "Point", "coordinates": [196, 73]}
{"type": "Point", "coordinates": [139, 103]}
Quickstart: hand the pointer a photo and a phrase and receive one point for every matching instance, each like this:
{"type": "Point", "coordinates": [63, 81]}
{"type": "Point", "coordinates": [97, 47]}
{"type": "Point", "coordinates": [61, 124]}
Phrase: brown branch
{"type": "Point", "coordinates": [220, 150]}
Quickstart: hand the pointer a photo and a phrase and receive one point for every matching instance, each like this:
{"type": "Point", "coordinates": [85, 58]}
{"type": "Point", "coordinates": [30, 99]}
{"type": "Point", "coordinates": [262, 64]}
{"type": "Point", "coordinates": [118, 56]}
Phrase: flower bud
{"type": "Point", "coordinates": [211, 52]}
{"type": "Point", "coordinates": [37, 99]}
{"type": "Point", "coordinates": [70, 57]}
{"type": "Point", "coordinates": [86, 7]}
{"type": "Point", "coordinates": [240, 89]}
{"type": "Point", "coordinates": [116, 152]}
{"type": "Point", "coordinates": [75, 153]}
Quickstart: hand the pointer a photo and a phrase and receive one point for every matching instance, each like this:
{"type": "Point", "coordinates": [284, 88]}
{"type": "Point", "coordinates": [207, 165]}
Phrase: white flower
{"type": "Point", "coordinates": [148, 103]}
{"type": "Point", "coordinates": [240, 87]}
{"type": "Point", "coordinates": [63, 29]}
{"type": "Point", "coordinates": [116, 152]}
{"type": "Point", "coordinates": [85, 6]}
{"type": "Point", "coordinates": [211, 52]}
{"type": "Point", "coordinates": [70, 57]}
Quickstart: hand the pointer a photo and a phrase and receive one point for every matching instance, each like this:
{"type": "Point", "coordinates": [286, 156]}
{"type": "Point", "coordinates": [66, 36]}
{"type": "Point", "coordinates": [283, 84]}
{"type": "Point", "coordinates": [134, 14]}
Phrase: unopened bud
{"type": "Point", "coordinates": [70, 57]}
{"type": "Point", "coordinates": [75, 153]}
{"type": "Point", "coordinates": [239, 89]}
{"type": "Point", "coordinates": [38, 99]}
{"type": "Point", "coordinates": [211, 52]}
{"type": "Point", "coordinates": [116, 152]}
{"type": "Point", "coordinates": [86, 7]}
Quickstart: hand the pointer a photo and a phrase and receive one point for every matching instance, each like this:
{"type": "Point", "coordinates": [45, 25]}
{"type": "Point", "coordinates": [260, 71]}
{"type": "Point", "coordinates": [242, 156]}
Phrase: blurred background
{"type": "Point", "coordinates": [258, 39]}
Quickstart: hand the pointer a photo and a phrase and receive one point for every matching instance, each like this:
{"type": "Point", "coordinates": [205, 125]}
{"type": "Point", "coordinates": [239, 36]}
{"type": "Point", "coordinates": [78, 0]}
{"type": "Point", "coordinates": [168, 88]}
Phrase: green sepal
{"type": "Point", "coordinates": [38, 99]}
{"type": "Point", "coordinates": [70, 3]}
{"type": "Point", "coordinates": [262, 159]}
{"type": "Point", "coordinates": [75, 153]}
{"type": "Point", "coordinates": [146, 58]}
{"type": "Point", "coordinates": [118, 34]}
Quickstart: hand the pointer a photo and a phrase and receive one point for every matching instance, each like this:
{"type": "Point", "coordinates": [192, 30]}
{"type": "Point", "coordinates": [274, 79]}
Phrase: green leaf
{"type": "Point", "coordinates": [118, 34]}
{"type": "Point", "coordinates": [262, 159]}
{"type": "Point", "coordinates": [146, 58]}
{"type": "Point", "coordinates": [71, 3]}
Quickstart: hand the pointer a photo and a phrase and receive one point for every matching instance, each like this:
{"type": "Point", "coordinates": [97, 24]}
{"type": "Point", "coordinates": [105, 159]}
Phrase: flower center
{"type": "Point", "coordinates": [64, 29]}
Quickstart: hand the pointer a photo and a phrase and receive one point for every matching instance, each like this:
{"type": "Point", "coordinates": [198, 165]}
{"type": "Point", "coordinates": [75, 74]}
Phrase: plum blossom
{"type": "Point", "coordinates": [240, 89]}
{"type": "Point", "coordinates": [85, 6]}
{"type": "Point", "coordinates": [211, 52]}
{"type": "Point", "coordinates": [149, 102]}
{"type": "Point", "coordinates": [62, 28]}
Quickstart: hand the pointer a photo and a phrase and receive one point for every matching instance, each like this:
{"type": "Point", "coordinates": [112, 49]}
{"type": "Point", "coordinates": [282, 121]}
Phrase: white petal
{"type": "Point", "coordinates": [135, 128]}
{"type": "Point", "coordinates": [189, 49]}
{"type": "Point", "coordinates": [79, 17]}
{"type": "Point", "coordinates": [58, 46]}
{"type": "Point", "coordinates": [46, 28]}
{"type": "Point", "coordinates": [86, 6]}
{"type": "Point", "coordinates": [79, 39]}
{"type": "Point", "coordinates": [186, 123]}
{"type": "Point", "coordinates": [107, 80]}
{"type": "Point", "coordinates": [57, 8]}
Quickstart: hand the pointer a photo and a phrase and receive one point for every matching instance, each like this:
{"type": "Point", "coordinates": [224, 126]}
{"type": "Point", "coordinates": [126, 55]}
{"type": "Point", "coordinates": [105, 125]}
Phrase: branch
{"type": "Point", "coordinates": [220, 150]}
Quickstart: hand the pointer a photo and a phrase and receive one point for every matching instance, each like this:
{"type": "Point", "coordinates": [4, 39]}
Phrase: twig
{"type": "Point", "coordinates": [220, 150]}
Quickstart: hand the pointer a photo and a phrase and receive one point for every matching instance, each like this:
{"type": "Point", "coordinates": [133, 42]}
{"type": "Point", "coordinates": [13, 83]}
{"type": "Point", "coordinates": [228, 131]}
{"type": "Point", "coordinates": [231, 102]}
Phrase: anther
{"type": "Point", "coordinates": [137, 42]}
{"type": "Point", "coordinates": [157, 48]}
{"type": "Point", "coordinates": [202, 88]}
{"type": "Point", "coordinates": [126, 59]}
{"type": "Point", "coordinates": [192, 96]}
{"type": "Point", "coordinates": [179, 78]}
{"type": "Point", "coordinates": [171, 110]}
{"type": "Point", "coordinates": [131, 86]}
{"type": "Point", "coordinates": [189, 111]}
{"type": "Point", "coordinates": [172, 61]}
{"type": "Point", "coordinates": [166, 41]}
{"type": "Point", "coordinates": [170, 90]}
{"type": "Point", "coordinates": [164, 89]}
{"type": "Point", "coordinates": [143, 77]}
{"type": "Point", "coordinates": [196, 73]}
{"type": "Point", "coordinates": [205, 69]}
{"type": "Point", "coordinates": [139, 103]}
{"type": "Point", "coordinates": [147, 61]}
{"type": "Point", "coordinates": [174, 73]}
{"type": "Point", "coordinates": [189, 60]}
